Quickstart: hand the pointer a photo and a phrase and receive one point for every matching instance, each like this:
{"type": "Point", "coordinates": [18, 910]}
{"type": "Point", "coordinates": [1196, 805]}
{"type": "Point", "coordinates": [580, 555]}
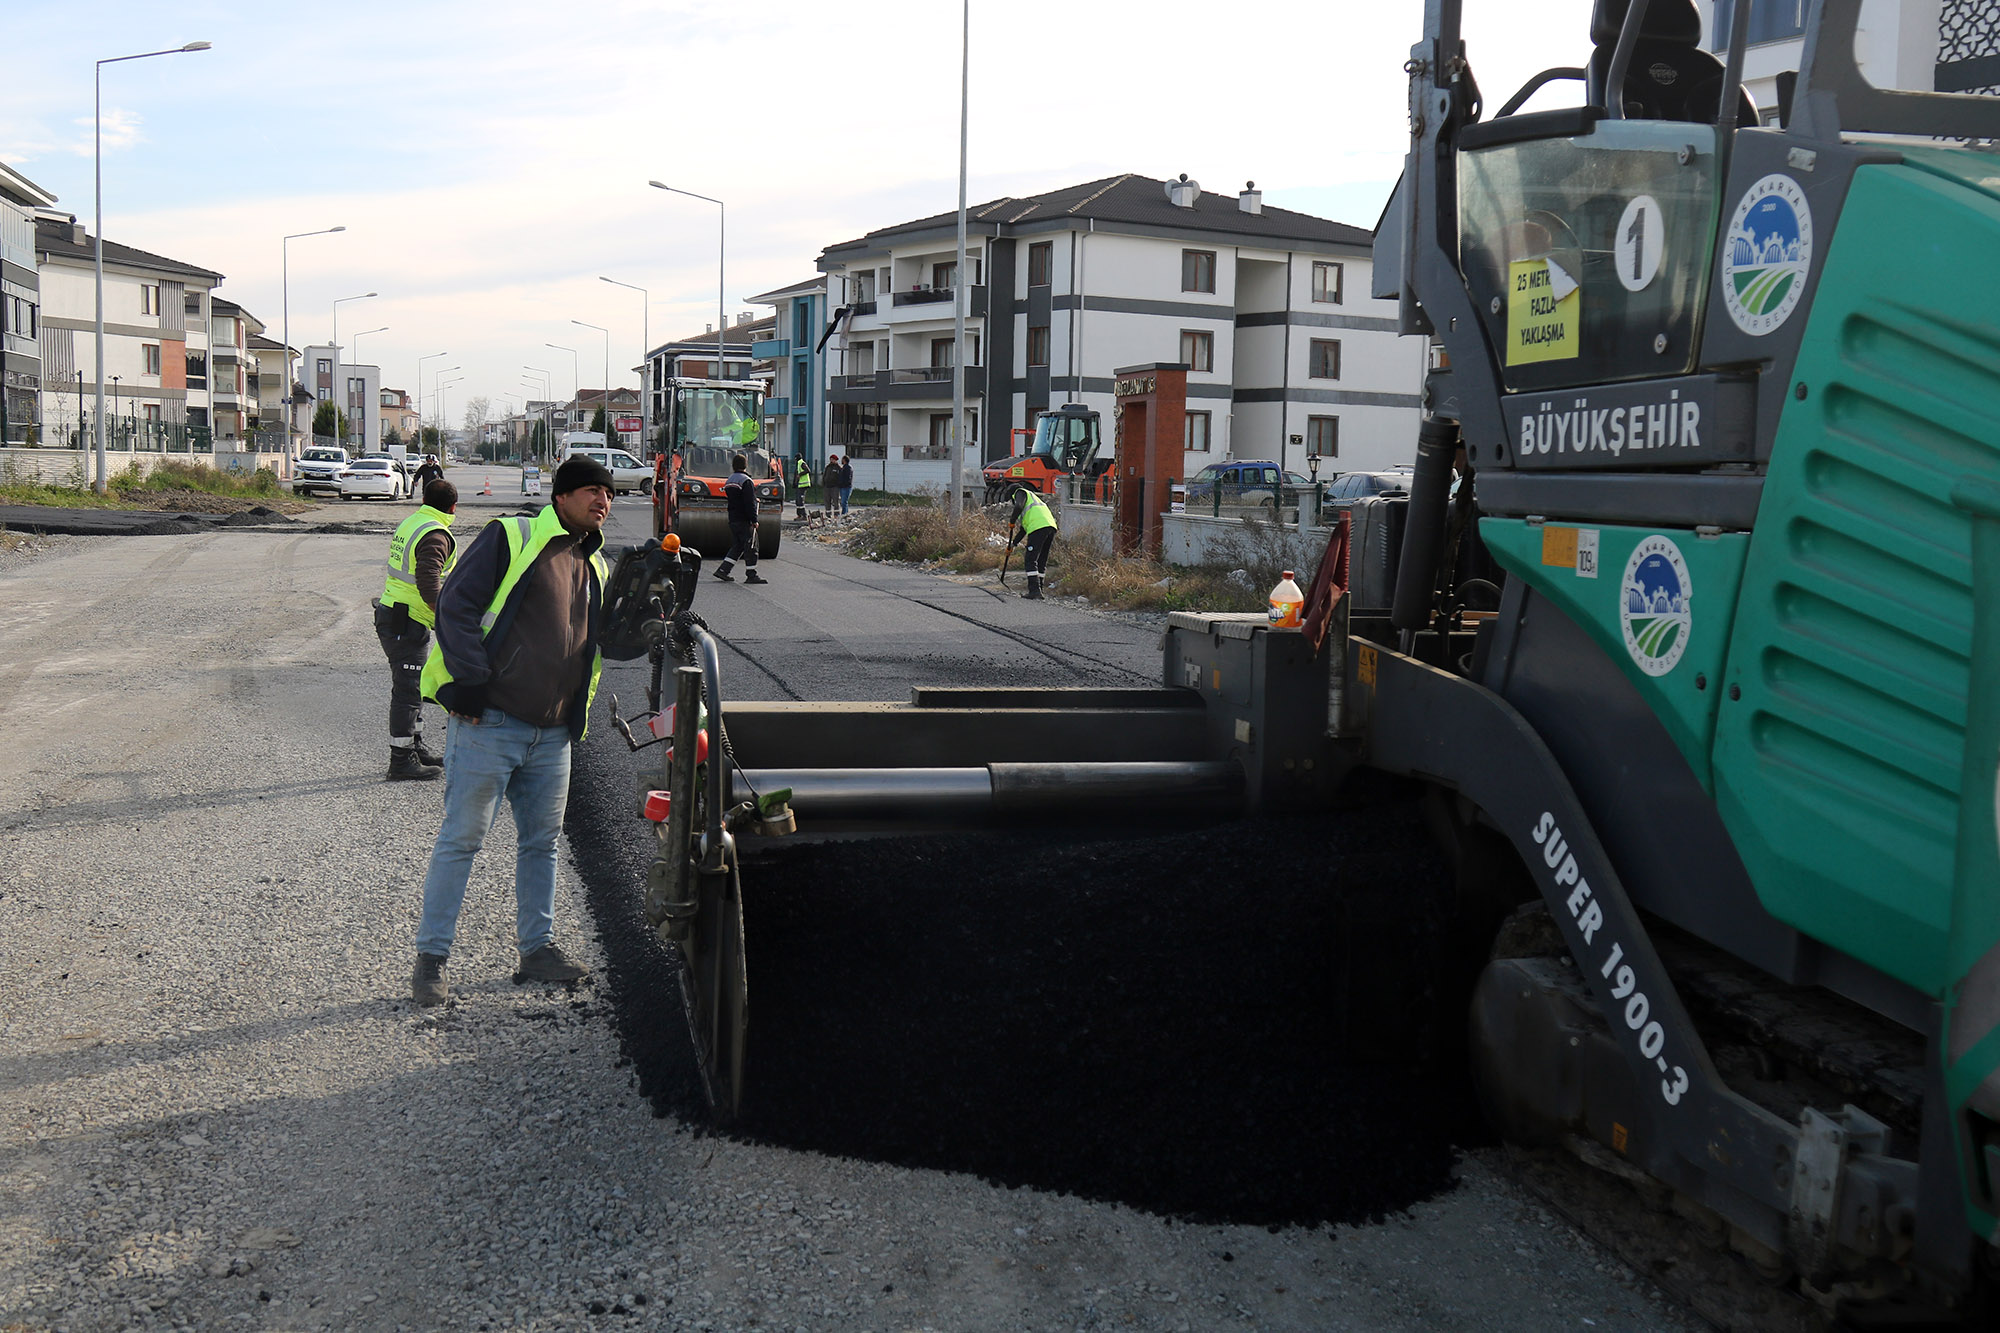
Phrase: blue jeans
{"type": "Point", "coordinates": [498, 756]}
{"type": "Point", "coordinates": [846, 494]}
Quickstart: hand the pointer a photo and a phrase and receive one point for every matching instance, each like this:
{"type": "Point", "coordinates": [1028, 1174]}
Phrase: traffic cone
{"type": "Point", "coordinates": [488, 489]}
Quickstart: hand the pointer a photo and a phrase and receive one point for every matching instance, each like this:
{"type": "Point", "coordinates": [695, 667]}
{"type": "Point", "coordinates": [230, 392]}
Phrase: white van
{"type": "Point", "coordinates": [628, 474]}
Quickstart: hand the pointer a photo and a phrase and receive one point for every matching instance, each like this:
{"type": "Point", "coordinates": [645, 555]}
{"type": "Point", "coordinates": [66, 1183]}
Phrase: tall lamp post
{"type": "Point", "coordinates": [291, 378]}
{"type": "Point", "coordinates": [420, 394]}
{"type": "Point", "coordinates": [610, 430]}
{"type": "Point", "coordinates": [576, 387]}
{"type": "Point", "coordinates": [367, 409]}
{"type": "Point", "coordinates": [645, 363]}
{"type": "Point", "coordinates": [960, 278]}
{"type": "Point", "coordinates": [103, 473]}
{"type": "Point", "coordinates": [339, 384]}
{"type": "Point", "coordinates": [437, 387]}
{"type": "Point", "coordinates": [548, 426]}
{"type": "Point", "coordinates": [721, 242]}
{"type": "Point", "coordinates": [444, 384]}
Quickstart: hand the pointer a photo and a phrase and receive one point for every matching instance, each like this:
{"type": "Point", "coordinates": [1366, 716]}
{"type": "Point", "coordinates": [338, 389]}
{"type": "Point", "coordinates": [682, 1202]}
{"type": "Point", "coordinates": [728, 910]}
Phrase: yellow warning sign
{"type": "Point", "coordinates": [1559, 547]}
{"type": "Point", "coordinates": [1543, 305]}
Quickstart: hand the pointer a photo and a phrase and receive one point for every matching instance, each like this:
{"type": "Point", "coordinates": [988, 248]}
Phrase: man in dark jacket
{"type": "Point", "coordinates": [741, 492]}
{"type": "Point", "coordinates": [846, 481]}
{"type": "Point", "coordinates": [516, 663]}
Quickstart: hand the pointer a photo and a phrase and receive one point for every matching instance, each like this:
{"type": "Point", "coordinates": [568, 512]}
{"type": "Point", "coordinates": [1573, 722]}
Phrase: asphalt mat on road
{"type": "Point", "coordinates": [129, 522]}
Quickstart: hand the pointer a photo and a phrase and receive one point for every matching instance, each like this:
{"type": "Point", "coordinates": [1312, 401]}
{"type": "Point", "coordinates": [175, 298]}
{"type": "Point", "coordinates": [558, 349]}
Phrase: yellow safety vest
{"type": "Point", "coordinates": [1035, 516]}
{"type": "Point", "coordinates": [400, 586]}
{"type": "Point", "coordinates": [525, 539]}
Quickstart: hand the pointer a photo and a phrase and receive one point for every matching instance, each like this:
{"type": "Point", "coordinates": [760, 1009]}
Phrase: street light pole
{"type": "Point", "coordinates": [576, 389]}
{"type": "Point", "coordinates": [548, 426]}
{"type": "Point", "coordinates": [645, 364]}
{"type": "Point", "coordinates": [97, 114]}
{"type": "Point", "coordinates": [960, 278]}
{"type": "Point", "coordinates": [367, 409]}
{"type": "Point", "coordinates": [338, 383]}
{"type": "Point", "coordinates": [721, 254]}
{"type": "Point", "coordinates": [444, 384]}
{"type": "Point", "coordinates": [285, 285]}
{"type": "Point", "coordinates": [436, 389]}
{"type": "Point", "coordinates": [420, 394]}
{"type": "Point", "coordinates": [609, 429]}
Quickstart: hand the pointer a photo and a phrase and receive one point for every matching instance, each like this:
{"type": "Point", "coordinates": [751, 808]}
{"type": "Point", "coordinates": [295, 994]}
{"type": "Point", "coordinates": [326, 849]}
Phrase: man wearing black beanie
{"type": "Point", "coordinates": [516, 664]}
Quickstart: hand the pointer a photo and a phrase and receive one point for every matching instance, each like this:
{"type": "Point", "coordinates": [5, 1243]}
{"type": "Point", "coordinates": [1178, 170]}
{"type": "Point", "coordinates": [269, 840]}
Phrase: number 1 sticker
{"type": "Point", "coordinates": [1642, 235]}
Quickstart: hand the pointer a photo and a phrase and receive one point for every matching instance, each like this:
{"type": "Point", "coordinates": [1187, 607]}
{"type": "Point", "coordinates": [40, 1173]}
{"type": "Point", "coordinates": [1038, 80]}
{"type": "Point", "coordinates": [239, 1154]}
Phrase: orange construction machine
{"type": "Point", "coordinates": [1066, 443]}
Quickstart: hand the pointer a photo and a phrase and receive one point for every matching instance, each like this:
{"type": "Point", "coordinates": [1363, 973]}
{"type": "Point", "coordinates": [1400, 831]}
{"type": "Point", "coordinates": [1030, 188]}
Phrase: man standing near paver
{"type": "Point", "coordinates": [846, 481]}
{"type": "Point", "coordinates": [516, 663]}
{"type": "Point", "coordinates": [741, 492]}
{"type": "Point", "coordinates": [421, 553]}
{"type": "Point", "coordinates": [1037, 529]}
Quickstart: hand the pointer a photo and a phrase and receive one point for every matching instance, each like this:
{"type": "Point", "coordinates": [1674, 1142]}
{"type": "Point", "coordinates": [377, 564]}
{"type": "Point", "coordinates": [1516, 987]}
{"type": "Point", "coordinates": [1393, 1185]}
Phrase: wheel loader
{"type": "Point", "coordinates": [1713, 409]}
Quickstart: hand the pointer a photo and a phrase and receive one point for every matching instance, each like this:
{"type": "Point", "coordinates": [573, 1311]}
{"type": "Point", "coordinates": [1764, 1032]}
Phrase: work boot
{"type": "Point", "coordinates": [405, 766]}
{"type": "Point", "coordinates": [754, 577]}
{"type": "Point", "coordinates": [427, 982]}
{"type": "Point", "coordinates": [722, 573]}
{"type": "Point", "coordinates": [1034, 590]}
{"type": "Point", "coordinates": [548, 963]}
{"type": "Point", "coordinates": [425, 755]}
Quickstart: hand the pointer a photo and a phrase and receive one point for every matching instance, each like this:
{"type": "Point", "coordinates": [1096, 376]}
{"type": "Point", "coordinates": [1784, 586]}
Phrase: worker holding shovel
{"type": "Point", "coordinates": [1032, 525]}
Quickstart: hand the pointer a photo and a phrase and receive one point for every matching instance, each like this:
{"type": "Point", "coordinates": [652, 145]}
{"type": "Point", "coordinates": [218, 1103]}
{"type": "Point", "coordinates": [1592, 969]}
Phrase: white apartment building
{"type": "Point", "coordinates": [156, 318]}
{"type": "Point", "coordinates": [269, 355]}
{"type": "Point", "coordinates": [20, 308]}
{"type": "Point", "coordinates": [1269, 308]}
{"type": "Point", "coordinates": [359, 395]}
{"type": "Point", "coordinates": [1913, 45]}
{"type": "Point", "coordinates": [235, 384]}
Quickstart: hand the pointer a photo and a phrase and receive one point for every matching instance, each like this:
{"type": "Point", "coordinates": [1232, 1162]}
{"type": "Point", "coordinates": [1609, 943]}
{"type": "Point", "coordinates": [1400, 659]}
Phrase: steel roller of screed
{"type": "Point", "coordinates": [932, 794]}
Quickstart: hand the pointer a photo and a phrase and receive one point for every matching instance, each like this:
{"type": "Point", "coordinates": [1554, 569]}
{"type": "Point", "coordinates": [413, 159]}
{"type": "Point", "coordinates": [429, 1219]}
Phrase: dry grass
{"type": "Point", "coordinates": [1083, 565]}
{"type": "Point", "coordinates": [169, 485]}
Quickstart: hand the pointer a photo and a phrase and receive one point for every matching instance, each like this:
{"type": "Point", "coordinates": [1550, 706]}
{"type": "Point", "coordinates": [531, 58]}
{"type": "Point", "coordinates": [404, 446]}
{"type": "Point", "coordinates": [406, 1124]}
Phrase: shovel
{"type": "Point", "coordinates": [1003, 563]}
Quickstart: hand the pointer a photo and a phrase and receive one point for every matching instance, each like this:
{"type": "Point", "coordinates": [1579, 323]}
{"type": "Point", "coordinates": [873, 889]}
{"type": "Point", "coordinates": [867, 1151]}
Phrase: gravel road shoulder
{"type": "Point", "coordinates": [219, 1110]}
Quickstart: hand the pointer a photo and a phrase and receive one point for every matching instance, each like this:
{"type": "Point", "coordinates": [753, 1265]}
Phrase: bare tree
{"type": "Point", "coordinates": [476, 412]}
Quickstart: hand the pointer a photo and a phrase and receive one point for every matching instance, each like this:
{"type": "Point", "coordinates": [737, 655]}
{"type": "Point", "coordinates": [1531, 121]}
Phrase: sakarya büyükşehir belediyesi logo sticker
{"type": "Point", "coordinates": [1767, 254]}
{"type": "Point", "coordinates": [1658, 605]}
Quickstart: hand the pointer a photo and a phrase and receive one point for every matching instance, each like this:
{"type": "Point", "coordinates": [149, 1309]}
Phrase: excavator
{"type": "Point", "coordinates": [1719, 782]}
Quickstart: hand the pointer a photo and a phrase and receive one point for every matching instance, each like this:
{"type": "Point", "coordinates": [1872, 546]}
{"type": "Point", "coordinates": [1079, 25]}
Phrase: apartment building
{"type": "Point", "coordinates": [156, 316]}
{"type": "Point", "coordinates": [1914, 45]}
{"type": "Point", "coordinates": [232, 373]}
{"type": "Point", "coordinates": [1269, 308]}
{"type": "Point", "coordinates": [20, 308]}
{"type": "Point", "coordinates": [269, 358]}
{"type": "Point", "coordinates": [399, 415]}
{"type": "Point", "coordinates": [795, 410]}
{"type": "Point", "coordinates": [358, 393]}
{"type": "Point", "coordinates": [579, 412]}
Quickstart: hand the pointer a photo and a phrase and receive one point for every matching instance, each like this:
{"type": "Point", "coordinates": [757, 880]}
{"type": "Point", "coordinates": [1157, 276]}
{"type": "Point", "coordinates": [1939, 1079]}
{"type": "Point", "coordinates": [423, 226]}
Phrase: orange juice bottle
{"type": "Point", "coordinates": [1288, 604]}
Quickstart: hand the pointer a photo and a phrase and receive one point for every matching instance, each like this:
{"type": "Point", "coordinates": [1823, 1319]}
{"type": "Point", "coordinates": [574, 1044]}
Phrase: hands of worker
{"type": "Point", "coordinates": [462, 700]}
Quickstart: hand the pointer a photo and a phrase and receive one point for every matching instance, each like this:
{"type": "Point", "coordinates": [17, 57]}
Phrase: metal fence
{"type": "Point", "coordinates": [126, 434]}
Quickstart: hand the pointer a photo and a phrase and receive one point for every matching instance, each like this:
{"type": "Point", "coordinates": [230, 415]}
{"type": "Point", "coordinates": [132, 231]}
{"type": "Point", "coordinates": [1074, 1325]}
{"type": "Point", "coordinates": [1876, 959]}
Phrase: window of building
{"type": "Point", "coordinates": [1197, 270]}
{"type": "Point", "coordinates": [1198, 349]}
{"type": "Point", "coordinates": [1196, 431]}
{"type": "Point", "coordinates": [1770, 21]}
{"type": "Point", "coordinates": [325, 366]}
{"type": "Point", "coordinates": [152, 351]}
{"type": "Point", "coordinates": [941, 351]}
{"type": "Point", "coordinates": [944, 276]}
{"type": "Point", "coordinates": [802, 325]}
{"type": "Point", "coordinates": [1323, 436]}
{"type": "Point", "coordinates": [197, 370]}
{"type": "Point", "coordinates": [153, 414]}
{"type": "Point", "coordinates": [1041, 263]}
{"type": "Point", "coordinates": [325, 393]}
{"type": "Point", "coordinates": [1038, 345]}
{"type": "Point", "coordinates": [1325, 359]}
{"type": "Point", "coordinates": [149, 298]}
{"type": "Point", "coordinates": [1327, 280]}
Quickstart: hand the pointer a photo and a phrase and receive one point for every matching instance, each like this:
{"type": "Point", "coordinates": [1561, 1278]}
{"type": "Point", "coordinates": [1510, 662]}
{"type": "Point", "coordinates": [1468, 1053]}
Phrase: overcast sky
{"type": "Point", "coordinates": [490, 159]}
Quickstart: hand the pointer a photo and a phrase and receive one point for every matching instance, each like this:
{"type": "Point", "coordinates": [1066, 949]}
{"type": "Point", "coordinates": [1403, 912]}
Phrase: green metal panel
{"type": "Point", "coordinates": [1683, 695]}
{"type": "Point", "coordinates": [1837, 771]}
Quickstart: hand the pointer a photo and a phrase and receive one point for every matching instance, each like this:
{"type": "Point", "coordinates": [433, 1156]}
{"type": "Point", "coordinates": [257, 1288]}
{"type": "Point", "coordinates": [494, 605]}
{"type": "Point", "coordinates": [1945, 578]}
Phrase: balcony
{"type": "Point", "coordinates": [933, 303]}
{"type": "Point", "coordinates": [777, 407]}
{"type": "Point", "coordinates": [226, 352]}
{"type": "Point", "coordinates": [766, 349]}
{"type": "Point", "coordinates": [917, 383]}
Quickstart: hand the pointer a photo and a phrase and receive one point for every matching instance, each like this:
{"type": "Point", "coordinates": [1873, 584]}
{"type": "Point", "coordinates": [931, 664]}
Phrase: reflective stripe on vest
{"type": "Point", "coordinates": [525, 539]}
{"type": "Point", "coordinates": [1035, 515]}
{"type": "Point", "coordinates": [399, 586]}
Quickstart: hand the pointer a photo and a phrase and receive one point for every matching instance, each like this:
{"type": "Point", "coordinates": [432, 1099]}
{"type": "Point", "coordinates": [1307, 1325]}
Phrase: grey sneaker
{"type": "Point", "coordinates": [427, 982]}
{"type": "Point", "coordinates": [548, 963]}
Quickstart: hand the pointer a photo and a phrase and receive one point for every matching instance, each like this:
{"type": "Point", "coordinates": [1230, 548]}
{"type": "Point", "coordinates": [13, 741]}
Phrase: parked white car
{"type": "Point", "coordinates": [371, 477]}
{"type": "Point", "coordinates": [628, 474]}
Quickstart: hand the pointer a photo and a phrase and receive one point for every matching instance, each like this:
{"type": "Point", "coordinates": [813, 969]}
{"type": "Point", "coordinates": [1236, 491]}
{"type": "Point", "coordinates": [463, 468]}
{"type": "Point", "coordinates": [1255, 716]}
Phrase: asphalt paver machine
{"type": "Point", "coordinates": [1718, 779]}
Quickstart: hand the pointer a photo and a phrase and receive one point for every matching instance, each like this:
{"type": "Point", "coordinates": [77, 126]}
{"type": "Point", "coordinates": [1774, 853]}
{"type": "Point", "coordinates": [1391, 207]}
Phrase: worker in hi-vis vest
{"type": "Point", "coordinates": [802, 477]}
{"type": "Point", "coordinates": [421, 553]}
{"type": "Point", "coordinates": [1033, 525]}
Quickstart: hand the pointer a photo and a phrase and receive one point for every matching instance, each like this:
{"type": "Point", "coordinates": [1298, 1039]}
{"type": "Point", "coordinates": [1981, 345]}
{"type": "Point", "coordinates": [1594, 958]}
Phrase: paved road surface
{"type": "Point", "coordinates": [217, 1105]}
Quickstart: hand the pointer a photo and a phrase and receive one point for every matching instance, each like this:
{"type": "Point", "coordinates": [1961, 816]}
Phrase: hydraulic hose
{"type": "Point", "coordinates": [1424, 529]}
